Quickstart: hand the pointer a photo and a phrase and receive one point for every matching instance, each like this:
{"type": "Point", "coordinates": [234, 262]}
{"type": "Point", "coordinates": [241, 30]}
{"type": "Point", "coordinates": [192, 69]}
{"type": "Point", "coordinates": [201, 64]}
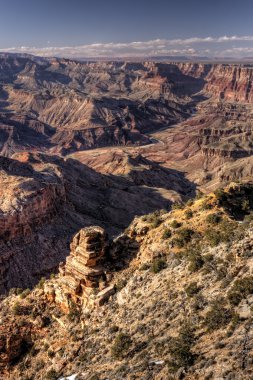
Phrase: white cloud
{"type": "Point", "coordinates": [189, 46]}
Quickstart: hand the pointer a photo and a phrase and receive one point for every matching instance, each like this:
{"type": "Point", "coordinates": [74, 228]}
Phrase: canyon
{"type": "Point", "coordinates": [112, 175]}
{"type": "Point", "coordinates": [97, 143]}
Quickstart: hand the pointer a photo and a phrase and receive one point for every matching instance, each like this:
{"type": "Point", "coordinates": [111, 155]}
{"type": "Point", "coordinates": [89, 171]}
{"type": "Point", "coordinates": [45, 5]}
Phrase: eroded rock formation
{"type": "Point", "coordinates": [82, 279]}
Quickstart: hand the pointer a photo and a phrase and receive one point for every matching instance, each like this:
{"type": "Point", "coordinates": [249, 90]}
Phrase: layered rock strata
{"type": "Point", "coordinates": [82, 279]}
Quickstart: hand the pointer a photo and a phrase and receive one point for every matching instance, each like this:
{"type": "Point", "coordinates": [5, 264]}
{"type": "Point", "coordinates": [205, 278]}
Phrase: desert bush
{"type": "Point", "coordinates": [41, 282]}
{"type": "Point", "coordinates": [193, 255]}
{"type": "Point", "coordinates": [113, 329]}
{"type": "Point", "coordinates": [218, 316]}
{"type": "Point", "coordinates": [120, 346]}
{"type": "Point", "coordinates": [15, 291]}
{"type": "Point", "coordinates": [213, 218]}
{"type": "Point", "coordinates": [188, 214]}
{"type": "Point", "coordinates": [213, 237]}
{"type": "Point", "coordinates": [74, 312]}
{"type": "Point", "coordinates": [52, 375]}
{"type": "Point", "coordinates": [120, 285]}
{"type": "Point", "coordinates": [25, 293]}
{"type": "Point", "coordinates": [192, 289]}
{"type": "Point", "coordinates": [206, 205]}
{"type": "Point", "coordinates": [17, 309]}
{"type": "Point", "coordinates": [177, 206]}
{"type": "Point", "coordinates": [240, 290]}
{"type": "Point", "coordinates": [166, 234]}
{"type": "Point", "coordinates": [180, 348]}
{"type": "Point", "coordinates": [183, 237]}
{"type": "Point", "coordinates": [50, 353]}
{"type": "Point", "coordinates": [190, 202]}
{"type": "Point", "coordinates": [199, 194]}
{"type": "Point", "coordinates": [154, 219]}
{"type": "Point", "coordinates": [175, 224]}
{"type": "Point", "coordinates": [158, 265]}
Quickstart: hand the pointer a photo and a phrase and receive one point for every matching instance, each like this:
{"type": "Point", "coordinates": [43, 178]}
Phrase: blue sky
{"type": "Point", "coordinates": [81, 28]}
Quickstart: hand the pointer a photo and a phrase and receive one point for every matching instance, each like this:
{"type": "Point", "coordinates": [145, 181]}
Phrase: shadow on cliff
{"type": "Point", "coordinates": [92, 198]}
{"type": "Point", "coordinates": [113, 201]}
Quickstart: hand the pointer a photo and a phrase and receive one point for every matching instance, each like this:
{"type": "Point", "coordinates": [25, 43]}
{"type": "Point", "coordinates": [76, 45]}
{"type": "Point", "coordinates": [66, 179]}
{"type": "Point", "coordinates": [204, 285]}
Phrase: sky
{"type": "Point", "coordinates": [111, 28]}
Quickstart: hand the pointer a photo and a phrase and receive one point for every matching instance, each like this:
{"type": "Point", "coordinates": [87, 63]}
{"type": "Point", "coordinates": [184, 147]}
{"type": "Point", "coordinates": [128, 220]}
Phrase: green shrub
{"type": "Point", "coordinates": [183, 237]}
{"type": "Point", "coordinates": [120, 285]}
{"type": "Point", "coordinates": [154, 219]}
{"type": "Point", "coordinates": [120, 346]}
{"type": "Point", "coordinates": [240, 290]}
{"type": "Point", "coordinates": [195, 259]}
{"type": "Point", "coordinates": [175, 224]}
{"type": "Point", "coordinates": [225, 233]}
{"type": "Point", "coordinates": [156, 222]}
{"type": "Point", "coordinates": [25, 293]}
{"type": "Point", "coordinates": [213, 218]}
{"type": "Point", "coordinates": [41, 282]}
{"type": "Point", "coordinates": [220, 196]}
{"type": "Point", "coordinates": [177, 206]}
{"type": "Point", "coordinates": [74, 312]}
{"type": "Point", "coordinates": [15, 291]}
{"type": "Point", "coordinates": [52, 375]}
{"type": "Point", "coordinates": [185, 234]}
{"type": "Point", "coordinates": [218, 316]}
{"type": "Point", "coordinates": [192, 289]}
{"type": "Point", "coordinates": [50, 353]}
{"type": "Point", "coordinates": [17, 309]}
{"type": "Point", "coordinates": [199, 194]}
{"type": "Point", "coordinates": [190, 202]}
{"type": "Point", "coordinates": [113, 329]}
{"type": "Point", "coordinates": [180, 348]}
{"type": "Point", "coordinates": [188, 214]}
{"type": "Point", "coordinates": [213, 237]}
{"type": "Point", "coordinates": [206, 205]}
{"type": "Point", "coordinates": [158, 265]}
{"type": "Point", "coordinates": [166, 234]}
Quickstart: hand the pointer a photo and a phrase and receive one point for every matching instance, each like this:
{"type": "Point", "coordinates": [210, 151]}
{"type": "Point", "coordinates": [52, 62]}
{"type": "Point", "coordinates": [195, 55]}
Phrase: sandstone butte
{"type": "Point", "coordinates": [83, 280]}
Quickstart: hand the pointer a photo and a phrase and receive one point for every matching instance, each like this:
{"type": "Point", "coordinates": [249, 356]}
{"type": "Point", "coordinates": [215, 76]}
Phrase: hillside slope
{"type": "Point", "coordinates": [171, 298]}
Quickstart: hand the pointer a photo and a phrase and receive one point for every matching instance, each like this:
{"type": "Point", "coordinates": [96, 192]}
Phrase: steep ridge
{"type": "Point", "coordinates": [180, 306]}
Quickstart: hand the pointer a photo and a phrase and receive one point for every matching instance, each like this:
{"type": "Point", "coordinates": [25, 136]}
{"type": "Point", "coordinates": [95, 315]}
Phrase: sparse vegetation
{"type": "Point", "coordinates": [195, 258]}
{"type": "Point", "coordinates": [154, 219]}
{"type": "Point", "coordinates": [25, 293]}
{"type": "Point", "coordinates": [218, 316]}
{"type": "Point", "coordinates": [120, 346]}
{"type": "Point", "coordinates": [175, 224]}
{"type": "Point", "coordinates": [183, 237]}
{"type": "Point", "coordinates": [192, 289]}
{"type": "Point", "coordinates": [52, 375]}
{"type": "Point", "coordinates": [177, 206]}
{"type": "Point", "coordinates": [180, 348]}
{"type": "Point", "coordinates": [188, 214]}
{"type": "Point", "coordinates": [158, 265]}
{"type": "Point", "coordinates": [206, 204]}
{"type": "Point", "coordinates": [166, 234]}
{"type": "Point", "coordinates": [41, 282]}
{"type": "Point", "coordinates": [120, 284]}
{"type": "Point", "coordinates": [213, 218]}
{"type": "Point", "coordinates": [240, 290]}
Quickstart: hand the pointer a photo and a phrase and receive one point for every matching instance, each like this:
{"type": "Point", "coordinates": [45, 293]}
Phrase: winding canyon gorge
{"type": "Point", "coordinates": [102, 164]}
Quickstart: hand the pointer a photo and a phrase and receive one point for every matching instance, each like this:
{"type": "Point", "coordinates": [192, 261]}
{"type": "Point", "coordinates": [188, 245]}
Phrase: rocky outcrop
{"type": "Point", "coordinates": [15, 341]}
{"type": "Point", "coordinates": [30, 199]}
{"type": "Point", "coordinates": [83, 279]}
